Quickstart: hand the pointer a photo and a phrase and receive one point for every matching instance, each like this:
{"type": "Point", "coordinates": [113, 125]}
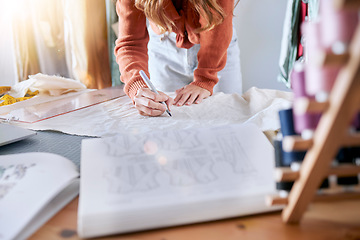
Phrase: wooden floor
{"type": "Point", "coordinates": [327, 221]}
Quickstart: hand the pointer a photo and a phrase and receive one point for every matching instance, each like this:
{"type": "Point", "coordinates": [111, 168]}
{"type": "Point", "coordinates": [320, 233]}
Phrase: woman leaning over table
{"type": "Point", "coordinates": [187, 47]}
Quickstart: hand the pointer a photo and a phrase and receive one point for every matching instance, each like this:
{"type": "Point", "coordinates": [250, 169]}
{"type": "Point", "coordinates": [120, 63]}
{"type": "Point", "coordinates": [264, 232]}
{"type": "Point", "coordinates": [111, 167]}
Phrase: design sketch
{"type": "Point", "coordinates": [169, 141]}
{"type": "Point", "coordinates": [11, 175]}
{"type": "Point", "coordinates": [175, 158]}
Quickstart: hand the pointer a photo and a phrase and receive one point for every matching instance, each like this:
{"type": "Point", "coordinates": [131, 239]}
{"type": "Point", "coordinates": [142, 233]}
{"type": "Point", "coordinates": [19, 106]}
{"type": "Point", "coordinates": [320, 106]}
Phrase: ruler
{"type": "Point", "coordinates": [42, 111]}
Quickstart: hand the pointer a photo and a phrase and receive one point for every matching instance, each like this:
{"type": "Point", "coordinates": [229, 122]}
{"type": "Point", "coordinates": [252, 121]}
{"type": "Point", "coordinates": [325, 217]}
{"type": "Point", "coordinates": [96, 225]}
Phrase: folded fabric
{"type": "Point", "coordinates": [45, 84]}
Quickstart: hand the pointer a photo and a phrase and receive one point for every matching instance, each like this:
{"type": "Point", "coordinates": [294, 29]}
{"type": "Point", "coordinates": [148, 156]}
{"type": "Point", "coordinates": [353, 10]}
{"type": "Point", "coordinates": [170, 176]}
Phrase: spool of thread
{"type": "Point", "coordinates": [287, 129]}
{"type": "Point", "coordinates": [312, 41]}
{"type": "Point", "coordinates": [319, 79]}
{"type": "Point", "coordinates": [356, 122]}
{"type": "Point", "coordinates": [304, 124]}
{"type": "Point", "coordinates": [292, 157]}
{"type": "Point", "coordinates": [297, 80]}
{"type": "Point", "coordinates": [356, 155]}
{"type": "Point", "coordinates": [337, 26]}
{"type": "Point", "coordinates": [285, 159]}
{"type": "Point", "coordinates": [279, 162]}
{"type": "Point", "coordinates": [356, 150]}
{"type": "Point", "coordinates": [287, 122]}
{"type": "Point", "coordinates": [347, 155]}
{"type": "Point", "coordinates": [324, 184]}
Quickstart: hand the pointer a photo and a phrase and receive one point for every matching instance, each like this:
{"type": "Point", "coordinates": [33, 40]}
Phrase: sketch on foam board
{"type": "Point", "coordinates": [175, 158]}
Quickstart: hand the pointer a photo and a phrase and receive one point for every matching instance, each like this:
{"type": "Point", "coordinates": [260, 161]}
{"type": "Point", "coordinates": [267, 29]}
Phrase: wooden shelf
{"type": "Point", "coordinates": [296, 143]}
{"type": "Point", "coordinates": [286, 174]}
{"type": "Point", "coordinates": [306, 105]}
{"type": "Point", "coordinates": [324, 197]}
{"type": "Point", "coordinates": [352, 140]}
{"type": "Point", "coordinates": [331, 134]}
{"type": "Point", "coordinates": [336, 196]}
{"type": "Point", "coordinates": [276, 200]}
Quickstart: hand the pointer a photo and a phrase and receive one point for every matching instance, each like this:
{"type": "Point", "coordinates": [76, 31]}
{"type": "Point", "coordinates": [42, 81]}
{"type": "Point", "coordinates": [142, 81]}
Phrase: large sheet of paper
{"type": "Point", "coordinates": [257, 106]}
{"type": "Point", "coordinates": [140, 181]}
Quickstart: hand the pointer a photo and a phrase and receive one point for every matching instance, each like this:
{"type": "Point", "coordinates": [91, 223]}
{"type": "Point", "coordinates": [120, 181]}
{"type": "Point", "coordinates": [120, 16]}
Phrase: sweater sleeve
{"type": "Point", "coordinates": [213, 49]}
{"type": "Point", "coordinates": [131, 46]}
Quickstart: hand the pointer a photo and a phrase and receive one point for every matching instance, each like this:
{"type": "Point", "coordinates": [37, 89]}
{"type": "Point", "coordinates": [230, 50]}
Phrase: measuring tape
{"type": "Point", "coordinates": [31, 94]}
{"type": "Point", "coordinates": [6, 99]}
{"type": "Point", "coordinates": [4, 90]}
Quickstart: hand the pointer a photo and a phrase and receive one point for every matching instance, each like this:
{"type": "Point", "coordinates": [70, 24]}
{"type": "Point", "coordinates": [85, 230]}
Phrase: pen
{"type": "Point", "coordinates": [152, 87]}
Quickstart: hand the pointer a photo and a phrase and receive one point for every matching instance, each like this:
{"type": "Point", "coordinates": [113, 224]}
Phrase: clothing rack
{"type": "Point", "coordinates": [331, 134]}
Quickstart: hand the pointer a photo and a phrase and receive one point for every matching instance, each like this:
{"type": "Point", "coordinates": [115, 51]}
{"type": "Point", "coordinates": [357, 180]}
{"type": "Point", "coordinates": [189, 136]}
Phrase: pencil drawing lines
{"type": "Point", "coordinates": [186, 172]}
{"type": "Point", "coordinates": [185, 161]}
{"type": "Point", "coordinates": [5, 189]}
{"type": "Point", "coordinates": [178, 140]}
{"type": "Point", "coordinates": [149, 175]}
{"type": "Point", "coordinates": [234, 154]}
{"type": "Point", "coordinates": [10, 176]}
{"type": "Point", "coordinates": [165, 141]}
{"type": "Point", "coordinates": [122, 179]}
{"type": "Point", "coordinates": [120, 144]}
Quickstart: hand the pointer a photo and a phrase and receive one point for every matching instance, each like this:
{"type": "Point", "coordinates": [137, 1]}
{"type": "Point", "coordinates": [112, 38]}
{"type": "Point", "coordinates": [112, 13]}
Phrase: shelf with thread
{"type": "Point", "coordinates": [343, 170]}
{"type": "Point", "coordinates": [326, 196]}
{"type": "Point", "coordinates": [297, 143]}
{"type": "Point", "coordinates": [326, 124]}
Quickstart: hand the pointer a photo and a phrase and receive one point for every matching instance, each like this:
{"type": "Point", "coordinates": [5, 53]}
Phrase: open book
{"type": "Point", "coordinates": [132, 182]}
{"type": "Point", "coordinates": [33, 187]}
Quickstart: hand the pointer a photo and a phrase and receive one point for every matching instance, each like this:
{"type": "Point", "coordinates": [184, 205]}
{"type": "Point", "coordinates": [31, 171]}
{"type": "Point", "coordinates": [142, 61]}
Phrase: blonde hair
{"type": "Point", "coordinates": [210, 10]}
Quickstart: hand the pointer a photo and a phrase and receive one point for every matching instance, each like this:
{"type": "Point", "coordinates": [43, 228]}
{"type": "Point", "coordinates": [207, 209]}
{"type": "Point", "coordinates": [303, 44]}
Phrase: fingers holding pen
{"type": "Point", "coordinates": [147, 93]}
{"type": "Point", "coordinates": [149, 103]}
{"type": "Point", "coordinates": [169, 102]}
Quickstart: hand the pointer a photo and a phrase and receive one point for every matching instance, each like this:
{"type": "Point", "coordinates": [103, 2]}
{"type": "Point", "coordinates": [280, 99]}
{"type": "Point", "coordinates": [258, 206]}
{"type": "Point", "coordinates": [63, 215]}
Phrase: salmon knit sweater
{"type": "Point", "coordinates": [131, 46]}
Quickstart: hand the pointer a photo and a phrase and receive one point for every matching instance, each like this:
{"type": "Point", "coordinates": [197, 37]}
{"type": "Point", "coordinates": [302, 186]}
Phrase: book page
{"type": "Point", "coordinates": [28, 182]}
{"type": "Point", "coordinates": [175, 167]}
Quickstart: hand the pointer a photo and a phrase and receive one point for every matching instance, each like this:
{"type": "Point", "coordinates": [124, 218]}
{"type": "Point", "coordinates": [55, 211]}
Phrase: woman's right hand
{"type": "Point", "coordinates": [149, 103]}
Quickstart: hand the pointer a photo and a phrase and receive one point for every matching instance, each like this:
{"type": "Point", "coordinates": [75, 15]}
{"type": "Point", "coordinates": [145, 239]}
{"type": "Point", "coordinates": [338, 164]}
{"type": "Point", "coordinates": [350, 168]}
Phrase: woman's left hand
{"type": "Point", "coordinates": [190, 94]}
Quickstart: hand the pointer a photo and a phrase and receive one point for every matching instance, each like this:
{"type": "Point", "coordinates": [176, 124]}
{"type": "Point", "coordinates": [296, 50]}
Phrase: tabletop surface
{"type": "Point", "coordinates": [328, 221]}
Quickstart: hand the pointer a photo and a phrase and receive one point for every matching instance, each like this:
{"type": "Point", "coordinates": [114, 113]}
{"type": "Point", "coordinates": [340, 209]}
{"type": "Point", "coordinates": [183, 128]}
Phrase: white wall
{"type": "Point", "coordinates": [259, 25]}
{"type": "Point", "coordinates": [7, 60]}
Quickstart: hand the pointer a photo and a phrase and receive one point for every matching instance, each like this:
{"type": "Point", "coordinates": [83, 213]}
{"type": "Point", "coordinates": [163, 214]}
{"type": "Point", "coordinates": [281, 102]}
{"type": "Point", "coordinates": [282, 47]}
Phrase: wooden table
{"type": "Point", "coordinates": [328, 221]}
